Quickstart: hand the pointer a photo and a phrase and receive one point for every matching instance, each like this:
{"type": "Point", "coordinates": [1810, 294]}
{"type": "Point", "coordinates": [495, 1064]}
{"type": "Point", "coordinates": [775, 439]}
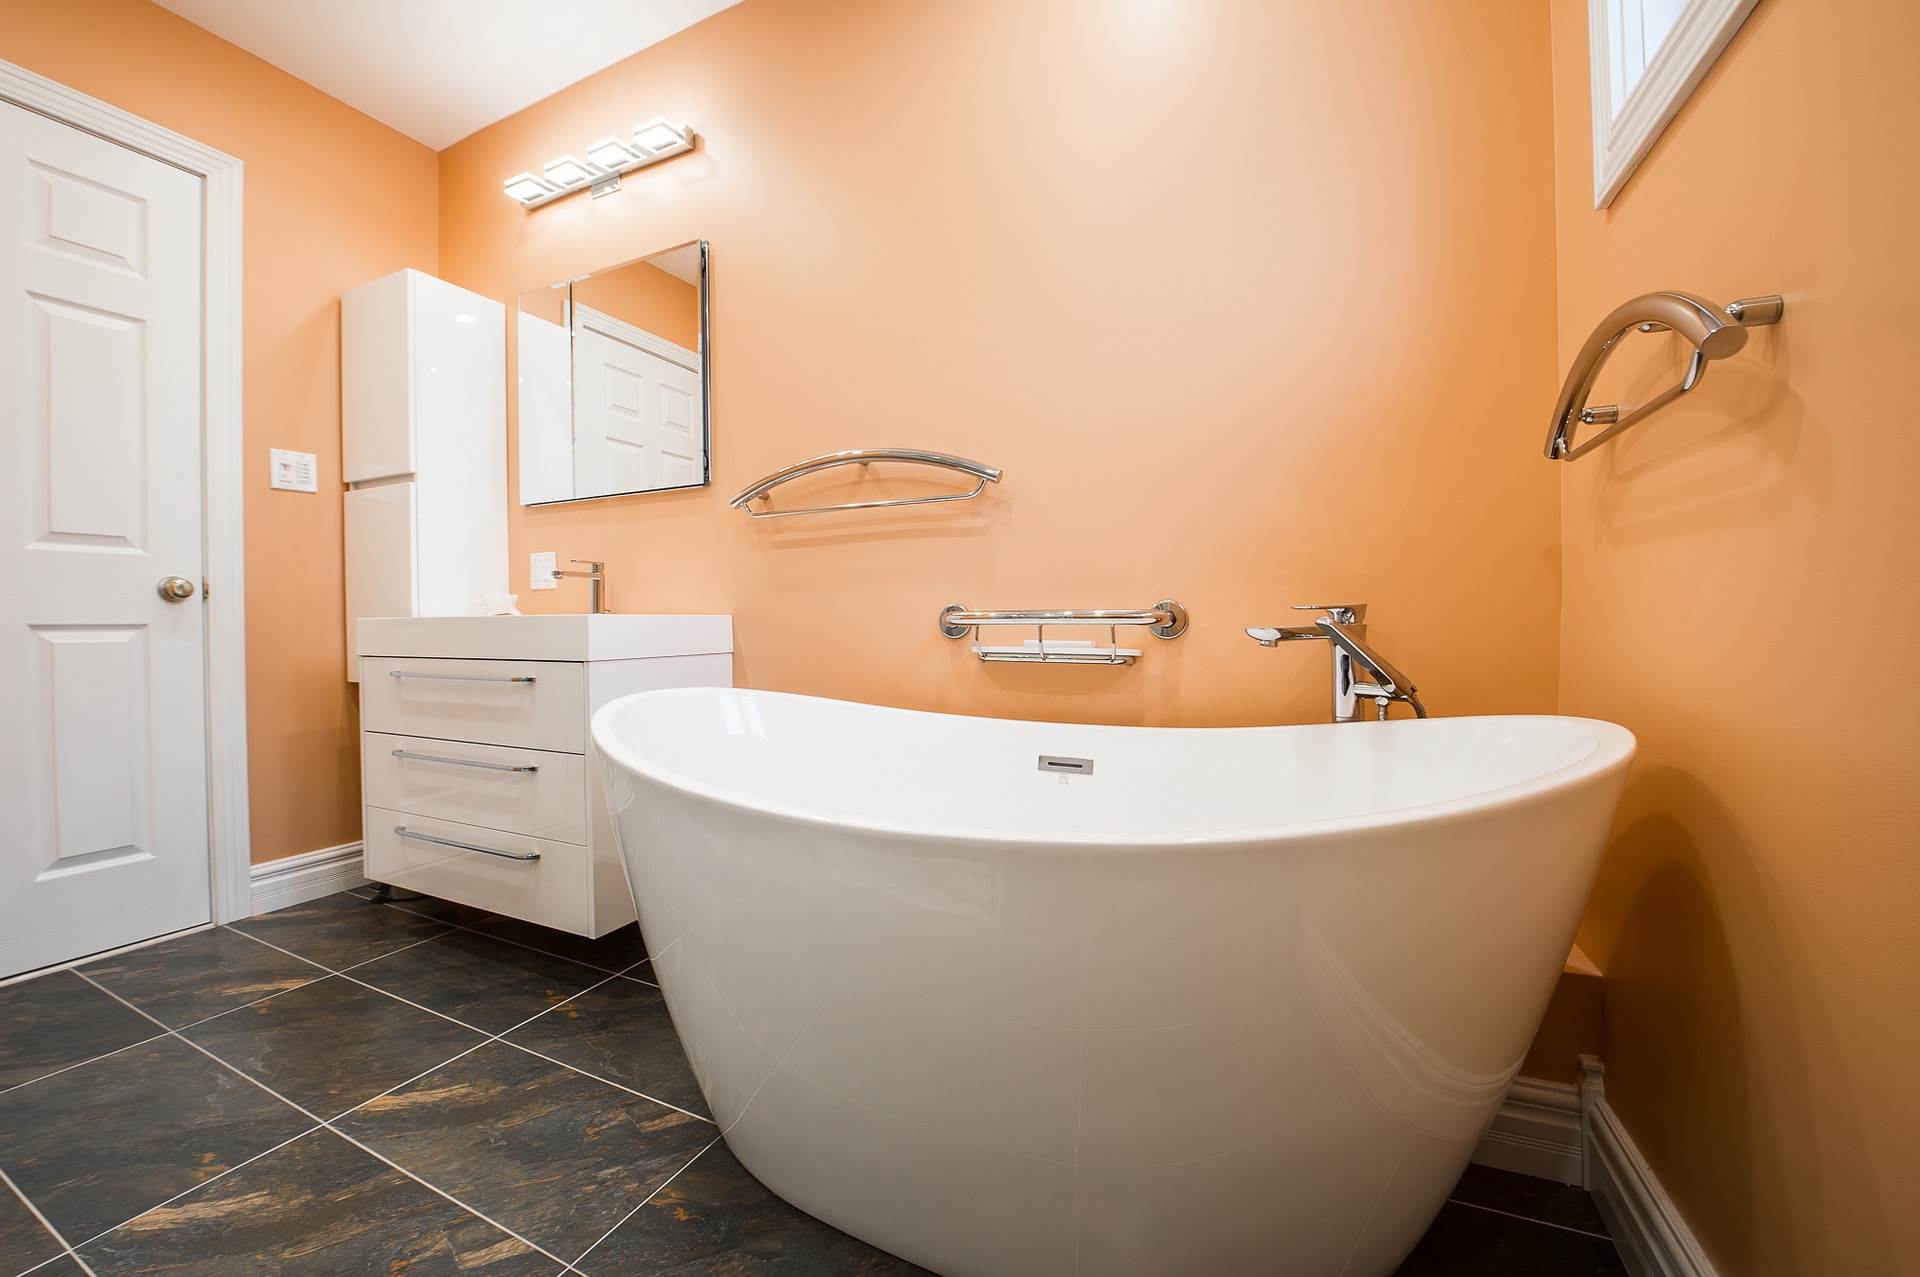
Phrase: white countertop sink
{"type": "Point", "coordinates": [574, 637]}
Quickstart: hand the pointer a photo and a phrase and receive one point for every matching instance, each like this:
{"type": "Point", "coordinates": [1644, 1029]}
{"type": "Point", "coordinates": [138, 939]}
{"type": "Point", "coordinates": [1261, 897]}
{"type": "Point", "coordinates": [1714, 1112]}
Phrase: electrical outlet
{"type": "Point", "coordinates": [540, 568]}
{"type": "Point", "coordinates": [293, 471]}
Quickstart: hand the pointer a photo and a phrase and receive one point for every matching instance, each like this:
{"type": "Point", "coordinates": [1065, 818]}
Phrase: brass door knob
{"type": "Point", "coordinates": [175, 589]}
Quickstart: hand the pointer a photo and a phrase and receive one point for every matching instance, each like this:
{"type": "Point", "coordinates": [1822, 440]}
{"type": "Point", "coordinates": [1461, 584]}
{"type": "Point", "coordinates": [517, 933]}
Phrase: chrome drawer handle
{"type": "Point", "coordinates": [467, 678]}
{"type": "Point", "coordinates": [404, 832]}
{"type": "Point", "coordinates": [462, 762]}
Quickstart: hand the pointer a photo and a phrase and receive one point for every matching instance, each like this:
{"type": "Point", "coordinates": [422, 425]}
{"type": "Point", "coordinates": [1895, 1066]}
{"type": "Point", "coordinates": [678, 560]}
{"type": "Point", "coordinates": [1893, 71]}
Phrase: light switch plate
{"type": "Point", "coordinates": [293, 471]}
{"type": "Point", "coordinates": [540, 568]}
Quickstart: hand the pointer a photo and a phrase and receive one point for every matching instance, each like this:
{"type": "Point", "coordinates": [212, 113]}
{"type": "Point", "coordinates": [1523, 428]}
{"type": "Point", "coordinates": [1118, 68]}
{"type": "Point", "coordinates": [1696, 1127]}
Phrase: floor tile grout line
{"type": "Point", "coordinates": [320, 1123]}
{"type": "Point", "coordinates": [327, 1123]}
{"type": "Point", "coordinates": [68, 1068]}
{"type": "Point", "coordinates": [66, 1246]}
{"type": "Point", "coordinates": [441, 1015]}
{"type": "Point", "coordinates": [192, 1024]}
{"type": "Point", "coordinates": [1544, 1223]}
{"type": "Point", "coordinates": [234, 1069]}
{"type": "Point", "coordinates": [433, 1188]}
{"type": "Point", "coordinates": [317, 1125]}
{"type": "Point", "coordinates": [638, 1207]}
{"type": "Point", "coordinates": [283, 949]}
{"type": "Point", "coordinates": [609, 1081]}
{"type": "Point", "coordinates": [555, 1007]}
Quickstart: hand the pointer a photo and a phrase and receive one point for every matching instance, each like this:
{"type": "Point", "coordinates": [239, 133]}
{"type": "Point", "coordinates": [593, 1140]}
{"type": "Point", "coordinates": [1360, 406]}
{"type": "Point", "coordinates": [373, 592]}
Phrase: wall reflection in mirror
{"type": "Point", "coordinates": [612, 375]}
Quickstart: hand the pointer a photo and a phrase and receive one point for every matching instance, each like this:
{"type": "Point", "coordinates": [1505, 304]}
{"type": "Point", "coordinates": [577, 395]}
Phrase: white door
{"type": "Point", "coordinates": [636, 409]}
{"type": "Point", "coordinates": [103, 773]}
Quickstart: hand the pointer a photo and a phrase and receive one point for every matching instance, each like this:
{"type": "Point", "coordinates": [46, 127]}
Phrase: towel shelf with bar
{"type": "Point", "coordinates": [1165, 619]}
{"type": "Point", "coordinates": [1694, 318]}
{"type": "Point", "coordinates": [985, 474]}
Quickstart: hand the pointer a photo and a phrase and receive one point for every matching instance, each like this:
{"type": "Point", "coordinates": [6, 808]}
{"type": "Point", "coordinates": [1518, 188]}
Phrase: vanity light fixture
{"type": "Point", "coordinates": [529, 189]}
{"type": "Point", "coordinates": [567, 172]}
{"type": "Point", "coordinates": [654, 140]}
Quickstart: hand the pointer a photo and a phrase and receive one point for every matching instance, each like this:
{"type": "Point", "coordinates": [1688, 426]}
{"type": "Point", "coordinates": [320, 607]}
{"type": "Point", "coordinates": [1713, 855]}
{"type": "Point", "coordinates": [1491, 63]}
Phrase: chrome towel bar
{"type": "Point", "coordinates": [1692, 317]}
{"type": "Point", "coordinates": [863, 457]}
{"type": "Point", "coordinates": [1165, 619]}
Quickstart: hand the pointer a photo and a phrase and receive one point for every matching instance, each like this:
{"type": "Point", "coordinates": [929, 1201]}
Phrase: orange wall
{"type": "Point", "coordinates": [332, 199]}
{"type": "Point", "coordinates": [1281, 330]}
{"type": "Point", "coordinates": [1739, 590]}
{"type": "Point", "coordinates": [648, 298]}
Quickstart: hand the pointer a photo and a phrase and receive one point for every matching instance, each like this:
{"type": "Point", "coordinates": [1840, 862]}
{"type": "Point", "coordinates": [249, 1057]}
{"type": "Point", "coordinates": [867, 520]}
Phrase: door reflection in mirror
{"type": "Point", "coordinates": [613, 381]}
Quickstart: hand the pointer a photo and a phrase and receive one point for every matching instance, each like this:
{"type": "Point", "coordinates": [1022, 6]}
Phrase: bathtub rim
{"type": "Point", "coordinates": [1613, 749]}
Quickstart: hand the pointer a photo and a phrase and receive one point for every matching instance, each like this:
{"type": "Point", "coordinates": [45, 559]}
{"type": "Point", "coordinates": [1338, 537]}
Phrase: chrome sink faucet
{"type": "Point", "coordinates": [596, 583]}
{"type": "Point", "coordinates": [1344, 626]}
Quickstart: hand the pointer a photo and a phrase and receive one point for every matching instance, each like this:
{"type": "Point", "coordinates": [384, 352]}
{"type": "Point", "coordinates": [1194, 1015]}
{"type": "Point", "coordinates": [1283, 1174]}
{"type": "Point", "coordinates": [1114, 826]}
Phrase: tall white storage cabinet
{"type": "Point", "coordinates": [423, 389]}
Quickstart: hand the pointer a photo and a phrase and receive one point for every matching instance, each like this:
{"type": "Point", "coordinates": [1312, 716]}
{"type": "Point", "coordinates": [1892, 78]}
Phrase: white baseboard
{"type": "Point", "coordinates": [293, 880]}
{"type": "Point", "coordinates": [1537, 1132]}
{"type": "Point", "coordinates": [1654, 1240]}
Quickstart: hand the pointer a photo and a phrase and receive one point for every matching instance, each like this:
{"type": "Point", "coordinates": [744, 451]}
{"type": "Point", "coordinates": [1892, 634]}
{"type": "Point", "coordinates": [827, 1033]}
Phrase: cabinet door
{"type": "Point", "coordinates": [381, 557]}
{"type": "Point", "coordinates": [376, 380]}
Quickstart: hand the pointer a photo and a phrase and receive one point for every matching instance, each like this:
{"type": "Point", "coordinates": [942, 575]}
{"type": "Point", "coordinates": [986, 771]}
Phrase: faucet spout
{"type": "Point", "coordinates": [1389, 678]}
{"type": "Point", "coordinates": [1344, 627]}
{"type": "Point", "coordinates": [1275, 635]}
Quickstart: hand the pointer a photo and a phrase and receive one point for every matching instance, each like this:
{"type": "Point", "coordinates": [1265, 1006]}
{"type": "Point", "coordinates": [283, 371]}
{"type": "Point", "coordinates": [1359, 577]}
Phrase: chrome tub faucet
{"type": "Point", "coordinates": [1344, 626]}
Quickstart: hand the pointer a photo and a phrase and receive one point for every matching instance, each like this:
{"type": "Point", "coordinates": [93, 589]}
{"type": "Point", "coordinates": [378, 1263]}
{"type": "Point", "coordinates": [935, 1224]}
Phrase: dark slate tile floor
{"type": "Point", "coordinates": [346, 1088]}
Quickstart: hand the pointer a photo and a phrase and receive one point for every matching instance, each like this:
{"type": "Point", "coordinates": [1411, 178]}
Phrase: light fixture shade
{"type": "Point", "coordinates": [526, 187]}
{"type": "Point", "coordinates": [661, 137]}
{"type": "Point", "coordinates": [568, 172]}
{"type": "Point", "coordinates": [612, 154]}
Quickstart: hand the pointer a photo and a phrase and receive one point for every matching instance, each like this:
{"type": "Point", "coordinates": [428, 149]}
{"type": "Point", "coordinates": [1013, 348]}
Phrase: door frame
{"type": "Point", "coordinates": [229, 836]}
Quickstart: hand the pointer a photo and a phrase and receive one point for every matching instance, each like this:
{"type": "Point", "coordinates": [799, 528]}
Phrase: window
{"type": "Point", "coordinates": [1647, 56]}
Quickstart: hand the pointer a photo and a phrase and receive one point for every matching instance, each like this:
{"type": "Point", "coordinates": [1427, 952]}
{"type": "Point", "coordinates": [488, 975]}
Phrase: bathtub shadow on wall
{"type": "Point", "coordinates": [1711, 1056]}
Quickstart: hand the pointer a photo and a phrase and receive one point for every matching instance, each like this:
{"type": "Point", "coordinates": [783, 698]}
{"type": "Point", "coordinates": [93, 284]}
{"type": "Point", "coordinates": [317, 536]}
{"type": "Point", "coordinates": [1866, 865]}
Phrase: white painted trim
{"type": "Point", "coordinates": [639, 338]}
{"type": "Point", "coordinates": [1621, 141]}
{"type": "Point", "coordinates": [228, 829]}
{"type": "Point", "coordinates": [1652, 1237]}
{"type": "Point", "coordinates": [1538, 1132]}
{"type": "Point", "coordinates": [293, 880]}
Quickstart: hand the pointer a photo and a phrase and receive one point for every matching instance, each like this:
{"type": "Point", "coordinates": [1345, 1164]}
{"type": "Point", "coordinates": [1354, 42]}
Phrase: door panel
{"type": "Point", "coordinates": [104, 747]}
{"type": "Point", "coordinates": [635, 412]}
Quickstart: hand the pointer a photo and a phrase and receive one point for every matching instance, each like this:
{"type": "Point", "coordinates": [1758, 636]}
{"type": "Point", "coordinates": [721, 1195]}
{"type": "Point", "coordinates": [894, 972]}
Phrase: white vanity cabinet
{"type": "Point", "coordinates": [477, 773]}
{"type": "Point", "coordinates": [423, 432]}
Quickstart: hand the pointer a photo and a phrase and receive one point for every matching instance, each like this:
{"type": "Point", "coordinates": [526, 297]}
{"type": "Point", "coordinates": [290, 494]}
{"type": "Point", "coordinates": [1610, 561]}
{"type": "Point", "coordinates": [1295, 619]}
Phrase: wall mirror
{"type": "Point", "coordinates": [613, 381]}
{"type": "Point", "coordinates": [1646, 59]}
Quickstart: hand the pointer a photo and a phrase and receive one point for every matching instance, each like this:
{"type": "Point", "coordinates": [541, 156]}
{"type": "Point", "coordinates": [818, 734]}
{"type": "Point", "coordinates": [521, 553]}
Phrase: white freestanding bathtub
{"type": "Point", "coordinates": [1238, 1000]}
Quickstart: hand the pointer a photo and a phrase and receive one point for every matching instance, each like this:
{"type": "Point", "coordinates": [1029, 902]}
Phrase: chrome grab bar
{"type": "Point", "coordinates": [404, 832]}
{"type": "Point", "coordinates": [1692, 317]}
{"type": "Point", "coordinates": [468, 678]}
{"type": "Point", "coordinates": [862, 457]}
{"type": "Point", "coordinates": [1165, 619]}
{"type": "Point", "coordinates": [461, 762]}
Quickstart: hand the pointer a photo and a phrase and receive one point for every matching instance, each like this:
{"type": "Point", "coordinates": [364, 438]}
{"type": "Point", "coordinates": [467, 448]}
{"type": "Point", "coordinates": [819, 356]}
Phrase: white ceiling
{"type": "Point", "coordinates": [438, 70]}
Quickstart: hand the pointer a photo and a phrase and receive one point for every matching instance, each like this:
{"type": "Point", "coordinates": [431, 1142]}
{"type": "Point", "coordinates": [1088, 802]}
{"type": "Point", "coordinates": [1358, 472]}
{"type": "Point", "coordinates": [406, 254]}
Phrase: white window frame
{"type": "Point", "coordinates": [1624, 131]}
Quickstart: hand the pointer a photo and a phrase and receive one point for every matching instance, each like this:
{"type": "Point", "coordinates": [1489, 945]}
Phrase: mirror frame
{"type": "Point", "coordinates": [1623, 132]}
{"type": "Point", "coordinates": [706, 381]}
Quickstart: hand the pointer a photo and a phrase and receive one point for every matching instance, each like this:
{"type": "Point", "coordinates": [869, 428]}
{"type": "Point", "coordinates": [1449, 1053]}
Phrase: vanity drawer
{"type": "Point", "coordinates": [553, 889]}
{"type": "Point", "coordinates": [532, 704]}
{"type": "Point", "coordinates": [521, 791]}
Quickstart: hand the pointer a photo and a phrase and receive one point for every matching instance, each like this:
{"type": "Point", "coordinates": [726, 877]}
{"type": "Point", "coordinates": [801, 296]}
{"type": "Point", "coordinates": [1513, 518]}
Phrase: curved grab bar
{"type": "Point", "coordinates": [1692, 317]}
{"type": "Point", "coordinates": [860, 457]}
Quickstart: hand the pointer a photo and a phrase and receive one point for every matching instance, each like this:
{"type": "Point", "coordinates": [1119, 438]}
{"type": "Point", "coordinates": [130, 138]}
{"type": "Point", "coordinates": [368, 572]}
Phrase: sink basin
{"type": "Point", "coordinates": [544, 638]}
